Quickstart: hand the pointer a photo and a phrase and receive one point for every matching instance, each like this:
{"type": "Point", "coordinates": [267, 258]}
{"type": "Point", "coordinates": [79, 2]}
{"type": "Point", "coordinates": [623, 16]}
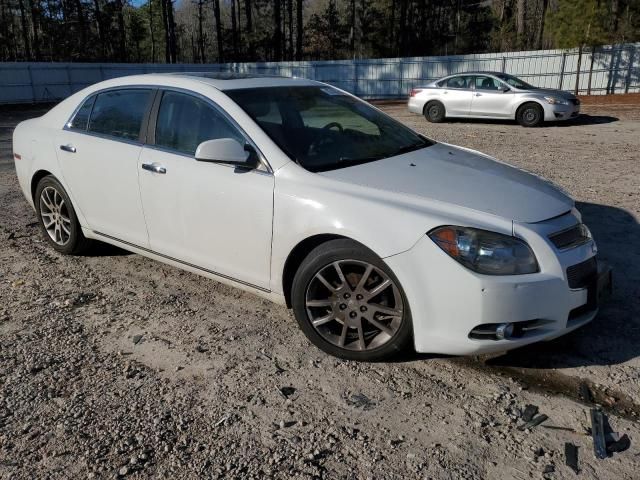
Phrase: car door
{"type": "Point", "coordinates": [490, 99]}
{"type": "Point", "coordinates": [213, 216]}
{"type": "Point", "coordinates": [98, 153]}
{"type": "Point", "coordinates": [456, 95]}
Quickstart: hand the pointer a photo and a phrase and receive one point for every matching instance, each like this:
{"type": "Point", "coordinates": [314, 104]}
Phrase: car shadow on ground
{"type": "Point", "coordinates": [582, 120]}
{"type": "Point", "coordinates": [101, 249]}
{"type": "Point", "coordinates": [613, 337]}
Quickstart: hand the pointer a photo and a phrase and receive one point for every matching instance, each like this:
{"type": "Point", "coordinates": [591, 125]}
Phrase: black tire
{"type": "Point", "coordinates": [75, 242]}
{"type": "Point", "coordinates": [435, 112]}
{"type": "Point", "coordinates": [392, 337]}
{"type": "Point", "coordinates": [530, 115]}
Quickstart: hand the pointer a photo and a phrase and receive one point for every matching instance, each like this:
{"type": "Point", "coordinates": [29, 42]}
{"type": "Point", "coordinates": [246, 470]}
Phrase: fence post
{"type": "Point", "coordinates": [33, 87]}
{"type": "Point", "coordinates": [504, 64]}
{"type": "Point", "coordinates": [593, 55]}
{"type": "Point", "coordinates": [564, 59]}
{"type": "Point", "coordinates": [69, 80]}
{"type": "Point", "coordinates": [355, 78]}
{"type": "Point", "coordinates": [400, 78]}
{"type": "Point", "coordinates": [627, 80]}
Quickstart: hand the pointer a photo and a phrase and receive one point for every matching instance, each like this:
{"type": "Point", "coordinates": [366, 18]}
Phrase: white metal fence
{"type": "Point", "coordinates": [608, 69]}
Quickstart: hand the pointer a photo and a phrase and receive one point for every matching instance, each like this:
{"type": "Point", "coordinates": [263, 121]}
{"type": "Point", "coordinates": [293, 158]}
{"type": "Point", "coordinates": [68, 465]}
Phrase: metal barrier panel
{"type": "Point", "coordinates": [609, 69]}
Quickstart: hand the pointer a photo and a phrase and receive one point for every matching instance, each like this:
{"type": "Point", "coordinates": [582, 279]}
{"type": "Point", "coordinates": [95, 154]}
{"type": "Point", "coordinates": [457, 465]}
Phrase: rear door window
{"type": "Point", "coordinates": [81, 118]}
{"type": "Point", "coordinates": [120, 113]}
{"type": "Point", "coordinates": [458, 82]}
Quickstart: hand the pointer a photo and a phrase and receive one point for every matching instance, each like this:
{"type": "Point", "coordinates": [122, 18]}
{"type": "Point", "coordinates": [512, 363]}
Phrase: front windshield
{"type": "Point", "coordinates": [321, 128]}
{"type": "Point", "coordinates": [514, 81]}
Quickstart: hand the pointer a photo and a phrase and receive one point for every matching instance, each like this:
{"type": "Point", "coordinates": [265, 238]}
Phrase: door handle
{"type": "Point", "coordinates": [68, 148]}
{"type": "Point", "coordinates": [478, 94]}
{"type": "Point", "coordinates": [154, 167]}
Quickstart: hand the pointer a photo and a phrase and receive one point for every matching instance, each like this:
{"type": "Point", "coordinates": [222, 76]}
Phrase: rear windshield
{"type": "Point", "coordinates": [321, 128]}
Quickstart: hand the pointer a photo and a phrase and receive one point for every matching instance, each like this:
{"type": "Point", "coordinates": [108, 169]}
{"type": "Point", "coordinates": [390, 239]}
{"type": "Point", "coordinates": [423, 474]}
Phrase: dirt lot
{"type": "Point", "coordinates": [114, 365]}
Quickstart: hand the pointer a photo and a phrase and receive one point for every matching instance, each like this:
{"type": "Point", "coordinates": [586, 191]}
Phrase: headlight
{"type": "Point", "coordinates": [556, 101]}
{"type": "Point", "coordinates": [485, 252]}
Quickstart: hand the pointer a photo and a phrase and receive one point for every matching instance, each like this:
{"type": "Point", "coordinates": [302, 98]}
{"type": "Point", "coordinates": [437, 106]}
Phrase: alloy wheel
{"type": "Point", "coordinates": [55, 215]}
{"type": "Point", "coordinates": [354, 305]}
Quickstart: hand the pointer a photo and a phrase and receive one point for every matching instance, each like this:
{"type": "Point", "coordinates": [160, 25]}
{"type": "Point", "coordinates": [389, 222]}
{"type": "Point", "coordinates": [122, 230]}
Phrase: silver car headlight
{"type": "Point", "coordinates": [485, 252]}
{"type": "Point", "coordinates": [556, 101]}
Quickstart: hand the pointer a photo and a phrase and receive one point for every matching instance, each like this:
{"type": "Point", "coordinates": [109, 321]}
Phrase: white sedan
{"type": "Point", "coordinates": [377, 237]}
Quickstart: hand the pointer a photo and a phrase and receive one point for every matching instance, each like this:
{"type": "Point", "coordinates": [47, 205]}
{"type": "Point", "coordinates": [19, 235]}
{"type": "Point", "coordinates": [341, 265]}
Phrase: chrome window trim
{"type": "Point", "coordinates": [160, 89]}
{"type": "Point", "coordinates": [102, 135]}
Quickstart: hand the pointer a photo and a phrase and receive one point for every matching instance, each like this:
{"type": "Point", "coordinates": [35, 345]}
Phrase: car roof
{"type": "Point", "coordinates": [475, 73]}
{"type": "Point", "coordinates": [240, 80]}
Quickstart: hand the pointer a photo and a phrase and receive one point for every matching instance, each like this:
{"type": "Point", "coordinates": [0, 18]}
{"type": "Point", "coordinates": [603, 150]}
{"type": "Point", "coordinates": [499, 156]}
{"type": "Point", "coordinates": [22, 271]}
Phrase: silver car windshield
{"type": "Point", "coordinates": [321, 128]}
{"type": "Point", "coordinates": [514, 81]}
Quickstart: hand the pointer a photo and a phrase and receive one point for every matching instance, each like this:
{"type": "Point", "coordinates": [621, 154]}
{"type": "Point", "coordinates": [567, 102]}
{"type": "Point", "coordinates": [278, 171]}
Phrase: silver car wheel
{"type": "Point", "coordinates": [55, 216]}
{"type": "Point", "coordinates": [530, 115]}
{"type": "Point", "coordinates": [354, 305]}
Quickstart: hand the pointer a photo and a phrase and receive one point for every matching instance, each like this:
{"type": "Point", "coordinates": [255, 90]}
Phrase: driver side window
{"type": "Point", "coordinates": [184, 122]}
{"type": "Point", "coordinates": [487, 83]}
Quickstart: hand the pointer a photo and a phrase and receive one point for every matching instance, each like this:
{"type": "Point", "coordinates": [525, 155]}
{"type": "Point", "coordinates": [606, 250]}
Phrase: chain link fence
{"type": "Point", "coordinates": [603, 70]}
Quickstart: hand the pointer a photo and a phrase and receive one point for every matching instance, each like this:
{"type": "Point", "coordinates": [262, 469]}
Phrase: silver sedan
{"type": "Point", "coordinates": [492, 95]}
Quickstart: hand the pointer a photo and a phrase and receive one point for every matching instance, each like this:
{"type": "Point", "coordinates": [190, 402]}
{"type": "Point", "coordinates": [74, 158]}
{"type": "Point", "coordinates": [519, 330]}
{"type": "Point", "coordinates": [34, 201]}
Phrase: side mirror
{"type": "Point", "coordinates": [505, 89]}
{"type": "Point", "coordinates": [229, 151]}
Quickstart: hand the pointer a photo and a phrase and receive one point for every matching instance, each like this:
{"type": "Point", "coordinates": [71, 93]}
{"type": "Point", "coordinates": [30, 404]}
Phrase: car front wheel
{"type": "Point", "coordinates": [530, 115]}
{"type": "Point", "coordinates": [57, 218]}
{"type": "Point", "coordinates": [350, 304]}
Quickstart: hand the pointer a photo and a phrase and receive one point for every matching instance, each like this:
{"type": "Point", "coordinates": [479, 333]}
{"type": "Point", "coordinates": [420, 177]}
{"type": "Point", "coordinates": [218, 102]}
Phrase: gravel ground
{"type": "Point", "coordinates": [112, 365]}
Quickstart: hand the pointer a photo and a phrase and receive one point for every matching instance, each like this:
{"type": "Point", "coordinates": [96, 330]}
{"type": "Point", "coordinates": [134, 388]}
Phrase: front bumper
{"type": "Point", "coordinates": [555, 113]}
{"type": "Point", "coordinates": [448, 301]}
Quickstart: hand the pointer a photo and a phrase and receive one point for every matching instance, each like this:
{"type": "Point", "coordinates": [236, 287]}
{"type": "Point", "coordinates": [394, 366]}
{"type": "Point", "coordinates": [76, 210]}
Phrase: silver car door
{"type": "Point", "coordinates": [491, 98]}
{"type": "Point", "coordinates": [456, 95]}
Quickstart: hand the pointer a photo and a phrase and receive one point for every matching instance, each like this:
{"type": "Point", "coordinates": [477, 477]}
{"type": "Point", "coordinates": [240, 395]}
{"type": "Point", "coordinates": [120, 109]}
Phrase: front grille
{"type": "Point", "coordinates": [582, 274]}
{"type": "Point", "coordinates": [570, 238]}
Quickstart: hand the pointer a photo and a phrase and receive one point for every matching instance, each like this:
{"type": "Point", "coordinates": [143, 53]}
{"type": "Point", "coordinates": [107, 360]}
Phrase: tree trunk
{"type": "Point", "coordinates": [521, 15]}
{"type": "Point", "coordinates": [403, 27]}
{"type": "Point", "coordinates": [299, 30]}
{"type": "Point", "coordinates": [25, 31]}
{"type": "Point", "coordinates": [97, 13]}
{"type": "Point", "coordinates": [543, 15]}
{"type": "Point", "coordinates": [249, 27]}
{"type": "Point", "coordinates": [290, 26]}
{"type": "Point", "coordinates": [35, 21]}
{"type": "Point", "coordinates": [172, 32]}
{"type": "Point", "coordinates": [122, 38]}
{"type": "Point", "coordinates": [219, 40]}
{"type": "Point", "coordinates": [234, 30]}
{"type": "Point", "coordinates": [152, 36]}
{"type": "Point", "coordinates": [277, 33]}
{"type": "Point", "coordinates": [352, 20]}
{"type": "Point", "coordinates": [82, 24]}
{"type": "Point", "coordinates": [199, 54]}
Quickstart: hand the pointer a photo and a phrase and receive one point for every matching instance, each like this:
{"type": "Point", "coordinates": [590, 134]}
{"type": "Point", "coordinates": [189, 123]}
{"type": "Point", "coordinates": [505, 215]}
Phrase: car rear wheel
{"type": "Point", "coordinates": [57, 218]}
{"type": "Point", "coordinates": [530, 115]}
{"type": "Point", "coordinates": [350, 304]}
{"type": "Point", "coordinates": [434, 112]}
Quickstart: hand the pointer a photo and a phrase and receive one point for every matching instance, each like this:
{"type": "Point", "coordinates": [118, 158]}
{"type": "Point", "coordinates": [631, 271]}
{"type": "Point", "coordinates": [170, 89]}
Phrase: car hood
{"type": "Point", "coordinates": [462, 177]}
{"type": "Point", "coordinates": [550, 91]}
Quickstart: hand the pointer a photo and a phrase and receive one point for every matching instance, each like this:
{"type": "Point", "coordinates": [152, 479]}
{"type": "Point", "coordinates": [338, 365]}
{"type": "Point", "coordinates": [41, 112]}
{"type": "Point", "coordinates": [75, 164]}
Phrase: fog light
{"type": "Point", "coordinates": [504, 331]}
